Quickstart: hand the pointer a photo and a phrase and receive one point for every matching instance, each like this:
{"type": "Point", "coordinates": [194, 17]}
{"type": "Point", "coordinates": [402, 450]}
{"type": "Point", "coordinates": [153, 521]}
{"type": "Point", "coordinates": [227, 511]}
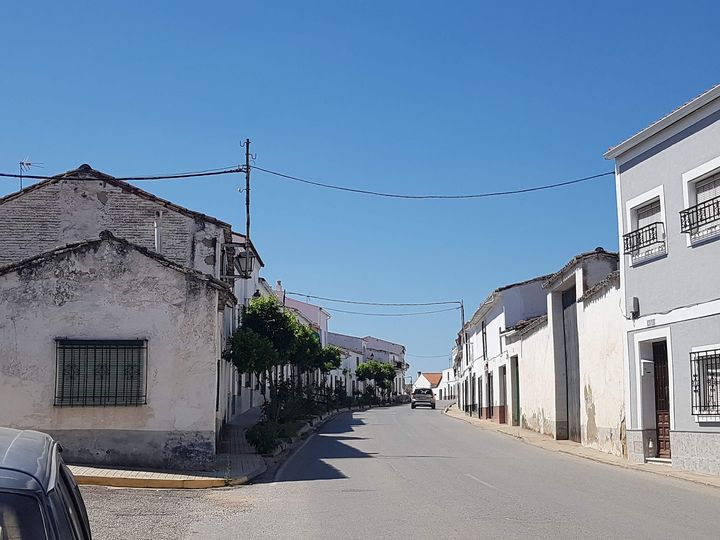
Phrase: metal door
{"type": "Point", "coordinates": [572, 364]}
{"type": "Point", "coordinates": [662, 398]}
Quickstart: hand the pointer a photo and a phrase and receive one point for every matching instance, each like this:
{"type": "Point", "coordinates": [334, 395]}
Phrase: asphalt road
{"type": "Point", "coordinates": [402, 473]}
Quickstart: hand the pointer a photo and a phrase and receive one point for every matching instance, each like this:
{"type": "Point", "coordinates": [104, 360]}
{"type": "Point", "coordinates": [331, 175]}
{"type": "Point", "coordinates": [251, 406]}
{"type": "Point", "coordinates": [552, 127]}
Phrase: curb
{"type": "Point", "coordinates": [598, 459]}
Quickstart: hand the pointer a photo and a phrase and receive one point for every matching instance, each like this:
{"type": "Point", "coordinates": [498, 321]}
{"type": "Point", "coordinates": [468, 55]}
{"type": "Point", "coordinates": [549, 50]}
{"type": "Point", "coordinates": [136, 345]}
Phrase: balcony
{"type": "Point", "coordinates": [705, 382]}
{"type": "Point", "coordinates": [696, 219]}
{"type": "Point", "coordinates": [645, 242]}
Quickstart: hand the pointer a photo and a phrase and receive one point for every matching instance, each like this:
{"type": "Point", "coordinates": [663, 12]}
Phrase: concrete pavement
{"type": "Point", "coordinates": [399, 473]}
{"type": "Point", "coordinates": [576, 449]}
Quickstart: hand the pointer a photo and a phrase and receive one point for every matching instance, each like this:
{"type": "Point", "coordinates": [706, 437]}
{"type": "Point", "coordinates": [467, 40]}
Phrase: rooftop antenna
{"type": "Point", "coordinates": [25, 166]}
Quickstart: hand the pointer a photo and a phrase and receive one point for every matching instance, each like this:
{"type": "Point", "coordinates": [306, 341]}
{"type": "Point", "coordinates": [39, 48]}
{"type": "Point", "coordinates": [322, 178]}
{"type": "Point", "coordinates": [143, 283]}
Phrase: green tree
{"type": "Point", "coordinates": [380, 373]}
{"type": "Point", "coordinates": [262, 343]}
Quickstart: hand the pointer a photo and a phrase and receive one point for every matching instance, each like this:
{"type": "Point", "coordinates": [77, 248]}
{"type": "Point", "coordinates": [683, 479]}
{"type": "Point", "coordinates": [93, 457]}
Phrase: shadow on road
{"type": "Point", "coordinates": [309, 462]}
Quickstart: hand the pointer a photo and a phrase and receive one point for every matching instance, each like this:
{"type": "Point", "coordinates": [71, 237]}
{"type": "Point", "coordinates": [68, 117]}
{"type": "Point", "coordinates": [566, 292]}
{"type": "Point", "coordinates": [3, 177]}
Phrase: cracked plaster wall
{"type": "Point", "coordinates": [110, 291]}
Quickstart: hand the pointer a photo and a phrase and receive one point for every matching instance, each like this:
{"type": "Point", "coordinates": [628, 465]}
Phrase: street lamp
{"type": "Point", "coordinates": [246, 262]}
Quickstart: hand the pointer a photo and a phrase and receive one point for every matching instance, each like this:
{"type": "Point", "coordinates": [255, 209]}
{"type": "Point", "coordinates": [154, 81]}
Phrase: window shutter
{"type": "Point", "coordinates": [649, 214]}
{"type": "Point", "coordinates": [708, 189]}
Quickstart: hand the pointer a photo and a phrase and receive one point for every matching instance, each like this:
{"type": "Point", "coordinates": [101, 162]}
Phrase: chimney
{"type": "Point", "coordinates": [278, 286]}
{"type": "Point", "coordinates": [419, 373]}
{"type": "Point", "coordinates": [158, 231]}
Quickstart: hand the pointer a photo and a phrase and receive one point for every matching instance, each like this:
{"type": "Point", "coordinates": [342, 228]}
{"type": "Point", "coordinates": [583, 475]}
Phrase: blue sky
{"type": "Point", "coordinates": [414, 97]}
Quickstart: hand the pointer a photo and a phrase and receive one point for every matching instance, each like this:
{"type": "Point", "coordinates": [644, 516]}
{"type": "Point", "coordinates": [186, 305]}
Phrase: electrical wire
{"type": "Point", "coordinates": [434, 197]}
{"type": "Point", "coordinates": [208, 172]}
{"type": "Point", "coordinates": [392, 314]}
{"type": "Point", "coordinates": [357, 302]}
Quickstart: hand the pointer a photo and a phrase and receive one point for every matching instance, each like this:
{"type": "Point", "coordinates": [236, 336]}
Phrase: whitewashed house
{"type": "Point", "coordinates": [390, 353]}
{"type": "Point", "coordinates": [446, 388]}
{"type": "Point", "coordinates": [484, 373]}
{"type": "Point", "coordinates": [667, 178]}
{"type": "Point", "coordinates": [353, 351]}
{"type": "Point", "coordinates": [429, 379]}
{"type": "Point", "coordinates": [100, 325]}
{"type": "Point", "coordinates": [566, 367]}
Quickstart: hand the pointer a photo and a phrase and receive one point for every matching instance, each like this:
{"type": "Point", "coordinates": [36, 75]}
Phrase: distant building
{"type": "Point", "coordinates": [429, 380]}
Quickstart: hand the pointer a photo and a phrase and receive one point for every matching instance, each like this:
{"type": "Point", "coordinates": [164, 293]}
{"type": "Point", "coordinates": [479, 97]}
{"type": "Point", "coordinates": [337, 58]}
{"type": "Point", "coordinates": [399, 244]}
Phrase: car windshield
{"type": "Point", "coordinates": [20, 517]}
{"type": "Point", "coordinates": [425, 391]}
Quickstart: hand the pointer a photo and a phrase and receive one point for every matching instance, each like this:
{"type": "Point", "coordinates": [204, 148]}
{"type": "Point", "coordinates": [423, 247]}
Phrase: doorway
{"type": "Point", "coordinates": [490, 395]}
{"type": "Point", "coordinates": [502, 408]}
{"type": "Point", "coordinates": [572, 363]}
{"type": "Point", "coordinates": [515, 390]}
{"type": "Point", "coordinates": [662, 398]}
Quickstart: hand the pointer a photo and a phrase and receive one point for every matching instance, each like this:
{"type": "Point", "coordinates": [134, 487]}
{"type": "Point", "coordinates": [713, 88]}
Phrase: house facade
{"type": "Point", "coordinates": [431, 380]}
{"type": "Point", "coordinates": [484, 372]}
{"type": "Point", "coordinates": [86, 206]}
{"type": "Point", "coordinates": [114, 350]}
{"type": "Point", "coordinates": [566, 367]}
{"type": "Point", "coordinates": [389, 353]}
{"type": "Point", "coordinates": [353, 351]}
{"type": "Point", "coordinates": [667, 179]}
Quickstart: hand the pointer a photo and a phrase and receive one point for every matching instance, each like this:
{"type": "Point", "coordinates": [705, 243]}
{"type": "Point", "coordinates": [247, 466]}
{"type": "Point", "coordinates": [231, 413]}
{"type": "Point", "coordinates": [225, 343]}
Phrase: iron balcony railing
{"type": "Point", "coordinates": [705, 381]}
{"type": "Point", "coordinates": [644, 237]}
{"type": "Point", "coordinates": [691, 219]}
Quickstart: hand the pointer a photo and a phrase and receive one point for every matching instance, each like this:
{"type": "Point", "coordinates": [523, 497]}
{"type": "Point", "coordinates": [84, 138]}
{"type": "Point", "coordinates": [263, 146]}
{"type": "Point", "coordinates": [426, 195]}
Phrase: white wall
{"type": "Point", "coordinates": [112, 292]}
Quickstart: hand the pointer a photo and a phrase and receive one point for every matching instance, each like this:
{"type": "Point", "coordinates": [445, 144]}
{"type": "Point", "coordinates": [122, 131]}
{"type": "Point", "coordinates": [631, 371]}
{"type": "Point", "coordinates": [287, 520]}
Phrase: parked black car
{"type": "Point", "coordinates": [39, 498]}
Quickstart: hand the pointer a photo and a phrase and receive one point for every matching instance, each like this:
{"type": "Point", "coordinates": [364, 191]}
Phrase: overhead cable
{"type": "Point", "coordinates": [196, 174]}
{"type": "Point", "coordinates": [357, 302]}
{"type": "Point", "coordinates": [434, 197]}
{"type": "Point", "coordinates": [392, 314]}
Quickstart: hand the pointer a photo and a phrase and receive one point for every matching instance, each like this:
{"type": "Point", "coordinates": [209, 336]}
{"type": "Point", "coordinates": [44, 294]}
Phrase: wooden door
{"type": "Point", "coordinates": [662, 398]}
{"type": "Point", "coordinates": [572, 364]}
{"type": "Point", "coordinates": [490, 394]}
{"type": "Point", "coordinates": [503, 395]}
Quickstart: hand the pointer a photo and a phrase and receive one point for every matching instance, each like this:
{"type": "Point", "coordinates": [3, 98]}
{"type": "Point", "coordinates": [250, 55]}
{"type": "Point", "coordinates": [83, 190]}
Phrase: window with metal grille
{"type": "Point", "coordinates": [703, 219]}
{"type": "Point", "coordinates": [100, 372]}
{"type": "Point", "coordinates": [705, 381]}
{"type": "Point", "coordinates": [648, 237]}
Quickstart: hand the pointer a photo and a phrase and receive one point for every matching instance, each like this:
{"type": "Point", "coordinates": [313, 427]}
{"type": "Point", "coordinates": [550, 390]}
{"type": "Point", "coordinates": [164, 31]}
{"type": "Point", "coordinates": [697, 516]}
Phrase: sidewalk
{"type": "Point", "coordinates": [576, 449]}
{"type": "Point", "coordinates": [235, 463]}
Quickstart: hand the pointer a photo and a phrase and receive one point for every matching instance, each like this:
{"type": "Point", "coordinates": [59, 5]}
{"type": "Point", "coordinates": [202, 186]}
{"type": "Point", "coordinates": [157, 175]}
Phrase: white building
{"type": "Point", "coordinates": [100, 326]}
{"type": "Point", "coordinates": [446, 388]}
{"type": "Point", "coordinates": [353, 354]}
{"type": "Point", "coordinates": [429, 379]}
{"type": "Point", "coordinates": [390, 353]}
{"type": "Point", "coordinates": [483, 371]}
{"type": "Point", "coordinates": [566, 367]}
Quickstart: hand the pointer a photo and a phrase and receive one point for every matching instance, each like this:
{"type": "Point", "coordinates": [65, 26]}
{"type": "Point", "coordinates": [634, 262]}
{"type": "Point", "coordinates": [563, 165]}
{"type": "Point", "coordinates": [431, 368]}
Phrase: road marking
{"type": "Point", "coordinates": [478, 480]}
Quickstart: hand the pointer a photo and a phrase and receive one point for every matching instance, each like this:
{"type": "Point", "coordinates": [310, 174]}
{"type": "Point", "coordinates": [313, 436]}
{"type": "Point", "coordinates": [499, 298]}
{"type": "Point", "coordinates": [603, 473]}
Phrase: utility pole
{"type": "Point", "coordinates": [464, 343]}
{"type": "Point", "coordinates": [247, 192]}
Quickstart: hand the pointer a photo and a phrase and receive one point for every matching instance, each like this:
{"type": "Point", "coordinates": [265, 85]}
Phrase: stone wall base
{"type": "Point", "coordinates": [695, 451]}
{"type": "Point", "coordinates": [173, 450]}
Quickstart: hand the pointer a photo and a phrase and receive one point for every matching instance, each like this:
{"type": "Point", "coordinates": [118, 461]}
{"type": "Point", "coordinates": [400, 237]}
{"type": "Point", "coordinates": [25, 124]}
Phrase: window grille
{"type": "Point", "coordinates": [100, 372]}
{"type": "Point", "coordinates": [705, 381]}
{"type": "Point", "coordinates": [703, 219]}
{"type": "Point", "coordinates": [648, 237]}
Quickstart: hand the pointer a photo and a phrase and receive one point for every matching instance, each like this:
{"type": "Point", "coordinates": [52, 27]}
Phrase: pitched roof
{"type": "Point", "coordinates": [488, 302]}
{"type": "Point", "coordinates": [597, 252]}
{"type": "Point", "coordinates": [86, 172]}
{"type": "Point", "coordinates": [107, 236]}
{"type": "Point", "coordinates": [433, 378]}
{"type": "Point", "coordinates": [666, 121]}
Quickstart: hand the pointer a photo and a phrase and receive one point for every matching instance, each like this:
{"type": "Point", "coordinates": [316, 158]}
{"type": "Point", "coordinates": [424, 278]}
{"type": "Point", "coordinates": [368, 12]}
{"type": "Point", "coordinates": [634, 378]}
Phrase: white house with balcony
{"type": "Point", "coordinates": [667, 178]}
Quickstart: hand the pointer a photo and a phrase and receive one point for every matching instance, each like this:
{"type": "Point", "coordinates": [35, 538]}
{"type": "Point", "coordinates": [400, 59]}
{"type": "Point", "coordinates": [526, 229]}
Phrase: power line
{"type": "Point", "coordinates": [436, 197]}
{"type": "Point", "coordinates": [196, 174]}
{"type": "Point", "coordinates": [392, 314]}
{"type": "Point", "coordinates": [357, 302]}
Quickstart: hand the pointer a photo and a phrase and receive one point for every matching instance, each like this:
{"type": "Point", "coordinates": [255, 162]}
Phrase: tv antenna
{"type": "Point", "coordinates": [25, 166]}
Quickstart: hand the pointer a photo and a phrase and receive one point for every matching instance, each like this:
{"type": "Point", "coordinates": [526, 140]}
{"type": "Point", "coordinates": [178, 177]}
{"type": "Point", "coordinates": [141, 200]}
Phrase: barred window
{"type": "Point", "coordinates": [705, 369]}
{"type": "Point", "coordinates": [100, 372]}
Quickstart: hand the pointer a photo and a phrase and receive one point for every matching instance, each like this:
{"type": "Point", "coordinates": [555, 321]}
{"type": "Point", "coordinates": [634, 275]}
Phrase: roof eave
{"type": "Point", "coordinates": [655, 128]}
